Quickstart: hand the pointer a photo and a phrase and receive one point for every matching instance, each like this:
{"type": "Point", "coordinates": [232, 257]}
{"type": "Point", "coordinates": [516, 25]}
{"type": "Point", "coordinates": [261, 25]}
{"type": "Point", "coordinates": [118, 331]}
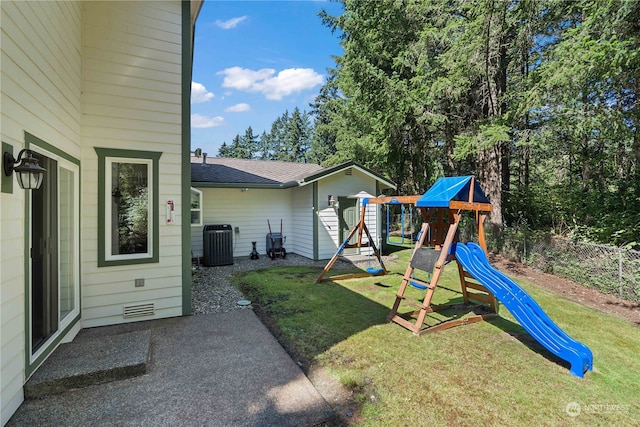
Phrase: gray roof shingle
{"type": "Point", "coordinates": [219, 170]}
{"type": "Point", "coordinates": [227, 172]}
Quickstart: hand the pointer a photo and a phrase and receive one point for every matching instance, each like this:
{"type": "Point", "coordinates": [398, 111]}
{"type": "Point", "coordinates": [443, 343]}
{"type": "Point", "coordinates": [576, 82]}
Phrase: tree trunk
{"type": "Point", "coordinates": [449, 141]}
{"type": "Point", "coordinates": [490, 176]}
{"type": "Point", "coordinates": [490, 160]}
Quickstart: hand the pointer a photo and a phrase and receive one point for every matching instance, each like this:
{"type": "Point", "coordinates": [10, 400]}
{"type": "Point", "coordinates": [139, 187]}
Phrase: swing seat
{"type": "Point", "coordinates": [375, 271]}
{"type": "Point", "coordinates": [417, 285]}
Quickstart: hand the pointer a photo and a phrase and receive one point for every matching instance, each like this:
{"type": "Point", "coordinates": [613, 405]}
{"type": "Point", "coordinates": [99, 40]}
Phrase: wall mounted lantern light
{"type": "Point", "coordinates": [28, 172]}
{"type": "Point", "coordinates": [332, 201]}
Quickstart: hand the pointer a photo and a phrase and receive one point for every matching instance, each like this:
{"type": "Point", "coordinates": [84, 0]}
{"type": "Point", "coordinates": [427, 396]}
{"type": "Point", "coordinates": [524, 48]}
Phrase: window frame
{"type": "Point", "coordinates": [71, 320]}
{"type": "Point", "coordinates": [199, 193]}
{"type": "Point", "coordinates": [106, 157]}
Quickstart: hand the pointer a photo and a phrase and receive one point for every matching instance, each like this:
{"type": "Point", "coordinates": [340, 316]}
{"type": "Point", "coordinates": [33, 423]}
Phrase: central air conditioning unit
{"type": "Point", "coordinates": [217, 241]}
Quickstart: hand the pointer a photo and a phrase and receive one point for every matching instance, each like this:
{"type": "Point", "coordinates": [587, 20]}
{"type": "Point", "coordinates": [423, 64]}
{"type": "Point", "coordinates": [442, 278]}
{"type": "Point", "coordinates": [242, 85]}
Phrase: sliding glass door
{"type": "Point", "coordinates": [54, 296]}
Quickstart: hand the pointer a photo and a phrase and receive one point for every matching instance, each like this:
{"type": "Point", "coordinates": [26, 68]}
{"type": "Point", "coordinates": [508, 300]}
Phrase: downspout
{"type": "Point", "coordinates": [315, 212]}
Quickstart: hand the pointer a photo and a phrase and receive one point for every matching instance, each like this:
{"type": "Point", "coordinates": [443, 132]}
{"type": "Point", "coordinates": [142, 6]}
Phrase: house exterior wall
{"type": "Point", "coordinates": [40, 94]}
{"type": "Point", "coordinates": [343, 185]}
{"type": "Point", "coordinates": [78, 75]}
{"type": "Point", "coordinates": [248, 211]}
{"type": "Point", "coordinates": [132, 86]}
{"type": "Point", "coordinates": [302, 217]}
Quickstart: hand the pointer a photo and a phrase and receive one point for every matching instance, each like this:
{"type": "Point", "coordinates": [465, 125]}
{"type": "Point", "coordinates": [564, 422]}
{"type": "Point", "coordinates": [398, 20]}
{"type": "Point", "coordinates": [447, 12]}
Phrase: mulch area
{"type": "Point", "coordinates": [571, 290]}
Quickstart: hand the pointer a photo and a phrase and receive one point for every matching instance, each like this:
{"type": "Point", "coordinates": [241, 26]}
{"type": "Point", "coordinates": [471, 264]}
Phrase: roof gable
{"type": "Point", "coordinates": [450, 189]}
{"type": "Point", "coordinates": [332, 170]}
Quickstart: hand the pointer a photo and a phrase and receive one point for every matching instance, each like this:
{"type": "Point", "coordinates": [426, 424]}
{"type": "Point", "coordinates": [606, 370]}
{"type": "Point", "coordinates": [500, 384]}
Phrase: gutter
{"type": "Point", "coordinates": [279, 186]}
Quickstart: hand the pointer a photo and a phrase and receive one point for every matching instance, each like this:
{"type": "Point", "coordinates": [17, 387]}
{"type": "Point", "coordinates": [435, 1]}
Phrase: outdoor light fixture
{"type": "Point", "coordinates": [28, 172]}
{"type": "Point", "coordinates": [331, 201]}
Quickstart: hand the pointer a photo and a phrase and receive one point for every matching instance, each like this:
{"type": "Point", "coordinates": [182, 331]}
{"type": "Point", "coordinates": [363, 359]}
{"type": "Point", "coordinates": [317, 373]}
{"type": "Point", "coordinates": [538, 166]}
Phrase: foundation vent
{"type": "Point", "coordinates": [139, 310]}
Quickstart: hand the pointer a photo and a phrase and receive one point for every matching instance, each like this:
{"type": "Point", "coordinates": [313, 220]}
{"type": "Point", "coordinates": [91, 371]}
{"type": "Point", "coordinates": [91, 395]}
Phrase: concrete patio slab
{"type": "Point", "coordinates": [222, 369]}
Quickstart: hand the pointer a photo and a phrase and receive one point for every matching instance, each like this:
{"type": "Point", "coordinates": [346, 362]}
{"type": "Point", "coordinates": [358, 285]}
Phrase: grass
{"type": "Point", "coordinates": [487, 373]}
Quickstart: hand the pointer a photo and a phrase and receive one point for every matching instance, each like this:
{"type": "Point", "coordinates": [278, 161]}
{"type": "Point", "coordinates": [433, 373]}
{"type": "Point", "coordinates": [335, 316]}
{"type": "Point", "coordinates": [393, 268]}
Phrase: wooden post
{"type": "Point", "coordinates": [480, 217]}
{"type": "Point", "coordinates": [361, 223]}
{"type": "Point", "coordinates": [337, 254]}
{"type": "Point", "coordinates": [361, 228]}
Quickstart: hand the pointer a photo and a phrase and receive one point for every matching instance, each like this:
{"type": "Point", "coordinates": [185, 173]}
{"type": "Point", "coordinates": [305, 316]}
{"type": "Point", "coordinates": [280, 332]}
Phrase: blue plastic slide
{"type": "Point", "coordinates": [524, 308]}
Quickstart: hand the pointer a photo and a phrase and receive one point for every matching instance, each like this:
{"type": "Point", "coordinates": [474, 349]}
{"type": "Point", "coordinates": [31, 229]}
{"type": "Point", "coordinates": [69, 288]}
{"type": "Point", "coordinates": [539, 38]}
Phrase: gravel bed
{"type": "Point", "coordinates": [212, 291]}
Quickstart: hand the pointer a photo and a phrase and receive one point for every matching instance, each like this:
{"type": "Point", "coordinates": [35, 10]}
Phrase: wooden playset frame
{"type": "Point", "coordinates": [439, 232]}
{"type": "Point", "coordinates": [433, 234]}
{"type": "Point", "coordinates": [442, 208]}
{"type": "Point", "coordinates": [362, 229]}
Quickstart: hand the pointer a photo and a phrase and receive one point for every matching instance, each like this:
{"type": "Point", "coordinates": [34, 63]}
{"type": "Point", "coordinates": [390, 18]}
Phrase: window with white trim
{"type": "Point", "coordinates": [196, 207]}
{"type": "Point", "coordinates": [128, 211]}
{"type": "Point", "coordinates": [128, 219]}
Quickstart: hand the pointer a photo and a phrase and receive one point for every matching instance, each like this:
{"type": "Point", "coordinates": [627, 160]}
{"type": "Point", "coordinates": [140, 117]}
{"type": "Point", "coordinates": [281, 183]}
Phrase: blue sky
{"type": "Point", "coordinates": [252, 61]}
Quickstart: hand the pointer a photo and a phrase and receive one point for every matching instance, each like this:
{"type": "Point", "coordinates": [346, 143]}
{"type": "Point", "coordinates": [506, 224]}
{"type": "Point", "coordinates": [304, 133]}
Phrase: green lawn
{"type": "Point", "coordinates": [487, 373]}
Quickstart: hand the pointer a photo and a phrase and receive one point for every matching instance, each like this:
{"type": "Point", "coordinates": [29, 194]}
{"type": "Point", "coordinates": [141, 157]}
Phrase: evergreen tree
{"type": "Point", "coordinates": [325, 109]}
{"type": "Point", "coordinates": [249, 144]}
{"type": "Point", "coordinates": [236, 149]}
{"type": "Point", "coordinates": [491, 88]}
{"type": "Point", "coordinates": [296, 140]}
{"type": "Point", "coordinates": [264, 147]}
{"type": "Point", "coordinates": [224, 150]}
{"type": "Point", "coordinates": [277, 137]}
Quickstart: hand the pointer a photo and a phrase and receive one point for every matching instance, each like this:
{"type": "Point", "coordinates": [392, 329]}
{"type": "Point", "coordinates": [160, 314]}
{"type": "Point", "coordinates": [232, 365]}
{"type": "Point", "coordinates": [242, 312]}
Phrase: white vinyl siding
{"type": "Point", "coordinates": [302, 221]}
{"type": "Point", "coordinates": [132, 56]}
{"type": "Point", "coordinates": [40, 92]}
{"type": "Point", "coordinates": [249, 211]}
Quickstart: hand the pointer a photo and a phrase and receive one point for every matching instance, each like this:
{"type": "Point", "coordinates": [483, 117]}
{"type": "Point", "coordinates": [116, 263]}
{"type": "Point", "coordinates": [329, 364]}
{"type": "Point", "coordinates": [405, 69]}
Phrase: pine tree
{"type": "Point", "coordinates": [264, 147]}
{"type": "Point", "coordinates": [249, 143]}
{"type": "Point", "coordinates": [224, 150]}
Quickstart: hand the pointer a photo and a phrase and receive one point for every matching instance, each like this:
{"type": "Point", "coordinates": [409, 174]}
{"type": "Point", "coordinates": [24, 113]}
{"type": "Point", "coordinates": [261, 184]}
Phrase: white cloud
{"type": "Point", "coordinates": [203, 122]}
{"type": "Point", "coordinates": [238, 108]}
{"type": "Point", "coordinates": [230, 23]}
{"type": "Point", "coordinates": [199, 93]}
{"type": "Point", "coordinates": [243, 78]}
{"type": "Point", "coordinates": [274, 87]}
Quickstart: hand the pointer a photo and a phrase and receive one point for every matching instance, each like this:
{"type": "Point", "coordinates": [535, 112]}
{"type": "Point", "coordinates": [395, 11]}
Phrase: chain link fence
{"type": "Point", "coordinates": [609, 269]}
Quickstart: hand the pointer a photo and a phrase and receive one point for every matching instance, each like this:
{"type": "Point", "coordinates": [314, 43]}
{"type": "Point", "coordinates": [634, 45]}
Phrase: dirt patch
{"type": "Point", "coordinates": [571, 290]}
{"type": "Point", "coordinates": [339, 397]}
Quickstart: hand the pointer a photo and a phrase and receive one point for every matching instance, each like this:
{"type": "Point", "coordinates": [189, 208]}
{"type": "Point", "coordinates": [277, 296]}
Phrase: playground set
{"type": "Point", "coordinates": [442, 208]}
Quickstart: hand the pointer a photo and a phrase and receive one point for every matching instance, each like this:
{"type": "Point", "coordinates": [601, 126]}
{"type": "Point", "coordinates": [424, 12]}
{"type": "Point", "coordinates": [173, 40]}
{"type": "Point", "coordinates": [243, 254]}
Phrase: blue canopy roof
{"type": "Point", "coordinates": [452, 188]}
